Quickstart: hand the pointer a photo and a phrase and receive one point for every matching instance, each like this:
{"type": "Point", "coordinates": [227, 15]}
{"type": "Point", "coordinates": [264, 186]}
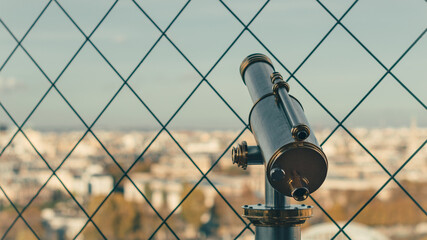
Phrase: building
{"type": "Point", "coordinates": [356, 231]}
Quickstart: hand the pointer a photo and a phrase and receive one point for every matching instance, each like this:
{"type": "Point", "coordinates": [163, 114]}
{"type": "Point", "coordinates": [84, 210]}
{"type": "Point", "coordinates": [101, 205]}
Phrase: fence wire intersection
{"type": "Point", "coordinates": [204, 80]}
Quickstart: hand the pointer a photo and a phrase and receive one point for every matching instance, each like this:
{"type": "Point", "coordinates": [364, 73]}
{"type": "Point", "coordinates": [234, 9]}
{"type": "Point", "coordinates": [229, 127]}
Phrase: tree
{"type": "Point", "coordinates": [193, 207]}
{"type": "Point", "coordinates": [119, 219]}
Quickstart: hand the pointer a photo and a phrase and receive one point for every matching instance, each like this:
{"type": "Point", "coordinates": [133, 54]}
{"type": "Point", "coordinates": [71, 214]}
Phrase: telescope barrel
{"type": "Point", "coordinates": [295, 163]}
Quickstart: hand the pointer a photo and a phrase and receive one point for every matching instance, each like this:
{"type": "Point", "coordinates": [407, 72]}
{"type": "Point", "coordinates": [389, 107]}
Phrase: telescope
{"type": "Point", "coordinates": [295, 164]}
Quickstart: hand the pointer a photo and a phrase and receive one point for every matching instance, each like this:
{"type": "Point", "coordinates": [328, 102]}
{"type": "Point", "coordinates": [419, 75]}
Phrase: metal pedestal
{"type": "Point", "coordinates": [262, 233]}
{"type": "Point", "coordinates": [277, 219]}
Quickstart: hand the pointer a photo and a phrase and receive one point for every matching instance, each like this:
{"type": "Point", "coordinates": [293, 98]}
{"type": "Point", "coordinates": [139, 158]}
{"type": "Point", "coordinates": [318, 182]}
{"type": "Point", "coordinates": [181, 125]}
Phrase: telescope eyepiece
{"type": "Point", "coordinates": [298, 187]}
{"type": "Point", "coordinates": [300, 194]}
{"type": "Point", "coordinates": [300, 132]}
{"type": "Point", "coordinates": [302, 135]}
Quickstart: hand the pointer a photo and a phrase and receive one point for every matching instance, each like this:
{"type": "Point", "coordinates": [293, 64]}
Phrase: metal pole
{"type": "Point", "coordinates": [288, 233]}
{"type": "Point", "coordinates": [274, 199]}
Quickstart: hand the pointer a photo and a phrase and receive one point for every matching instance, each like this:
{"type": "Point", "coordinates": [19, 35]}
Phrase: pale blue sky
{"type": "Point", "coordinates": [339, 73]}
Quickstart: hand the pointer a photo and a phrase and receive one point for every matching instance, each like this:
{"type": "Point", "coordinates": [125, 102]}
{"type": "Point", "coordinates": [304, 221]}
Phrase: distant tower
{"type": "Point", "coordinates": [412, 138]}
{"type": "Point", "coordinates": [413, 143]}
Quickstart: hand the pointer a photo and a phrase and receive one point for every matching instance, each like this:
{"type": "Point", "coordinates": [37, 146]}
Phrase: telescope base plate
{"type": "Point", "coordinates": [292, 215]}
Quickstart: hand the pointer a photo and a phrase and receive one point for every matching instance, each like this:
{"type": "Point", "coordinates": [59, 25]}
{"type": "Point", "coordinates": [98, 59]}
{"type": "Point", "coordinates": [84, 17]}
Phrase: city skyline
{"type": "Point", "coordinates": [164, 174]}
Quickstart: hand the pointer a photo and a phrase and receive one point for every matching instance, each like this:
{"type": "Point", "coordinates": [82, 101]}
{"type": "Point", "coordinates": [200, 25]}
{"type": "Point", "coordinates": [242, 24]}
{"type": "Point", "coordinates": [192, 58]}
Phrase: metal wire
{"type": "Point", "coordinates": [164, 126]}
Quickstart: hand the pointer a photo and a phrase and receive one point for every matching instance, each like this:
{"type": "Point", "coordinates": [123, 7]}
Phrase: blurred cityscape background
{"type": "Point", "coordinates": [117, 118]}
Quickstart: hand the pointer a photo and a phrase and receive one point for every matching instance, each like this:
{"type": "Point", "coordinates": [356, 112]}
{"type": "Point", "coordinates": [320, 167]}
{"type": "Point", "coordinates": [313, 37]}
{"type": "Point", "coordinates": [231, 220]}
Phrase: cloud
{"type": "Point", "coordinates": [9, 83]}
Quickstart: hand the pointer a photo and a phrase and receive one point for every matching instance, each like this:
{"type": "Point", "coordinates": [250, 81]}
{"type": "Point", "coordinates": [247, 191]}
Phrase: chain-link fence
{"type": "Point", "coordinates": [218, 98]}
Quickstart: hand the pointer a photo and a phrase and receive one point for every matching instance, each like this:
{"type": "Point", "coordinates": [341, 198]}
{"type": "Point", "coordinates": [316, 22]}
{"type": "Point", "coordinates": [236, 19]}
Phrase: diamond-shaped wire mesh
{"type": "Point", "coordinates": [156, 31]}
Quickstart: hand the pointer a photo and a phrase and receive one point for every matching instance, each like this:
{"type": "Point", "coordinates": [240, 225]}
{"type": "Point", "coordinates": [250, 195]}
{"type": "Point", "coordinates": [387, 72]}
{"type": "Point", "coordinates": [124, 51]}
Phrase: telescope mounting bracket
{"type": "Point", "coordinates": [290, 215]}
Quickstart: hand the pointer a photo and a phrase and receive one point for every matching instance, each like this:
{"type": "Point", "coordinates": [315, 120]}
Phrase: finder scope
{"type": "Point", "coordinates": [295, 165]}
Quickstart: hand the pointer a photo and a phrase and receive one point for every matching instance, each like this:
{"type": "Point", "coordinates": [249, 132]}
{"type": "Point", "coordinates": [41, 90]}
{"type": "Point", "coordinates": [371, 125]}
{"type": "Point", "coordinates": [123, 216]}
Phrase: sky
{"type": "Point", "coordinates": [338, 74]}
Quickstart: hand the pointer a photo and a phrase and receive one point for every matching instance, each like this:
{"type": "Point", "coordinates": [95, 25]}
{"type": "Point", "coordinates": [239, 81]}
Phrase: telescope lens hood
{"type": "Point", "coordinates": [253, 58]}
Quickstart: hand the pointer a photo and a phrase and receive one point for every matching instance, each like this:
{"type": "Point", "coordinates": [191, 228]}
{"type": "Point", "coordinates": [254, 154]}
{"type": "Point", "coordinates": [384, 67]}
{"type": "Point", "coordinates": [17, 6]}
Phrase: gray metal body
{"type": "Point", "coordinates": [294, 163]}
{"type": "Point", "coordinates": [278, 233]}
{"type": "Point", "coordinates": [268, 120]}
{"type": "Point", "coordinates": [270, 126]}
{"type": "Point", "coordinates": [273, 119]}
